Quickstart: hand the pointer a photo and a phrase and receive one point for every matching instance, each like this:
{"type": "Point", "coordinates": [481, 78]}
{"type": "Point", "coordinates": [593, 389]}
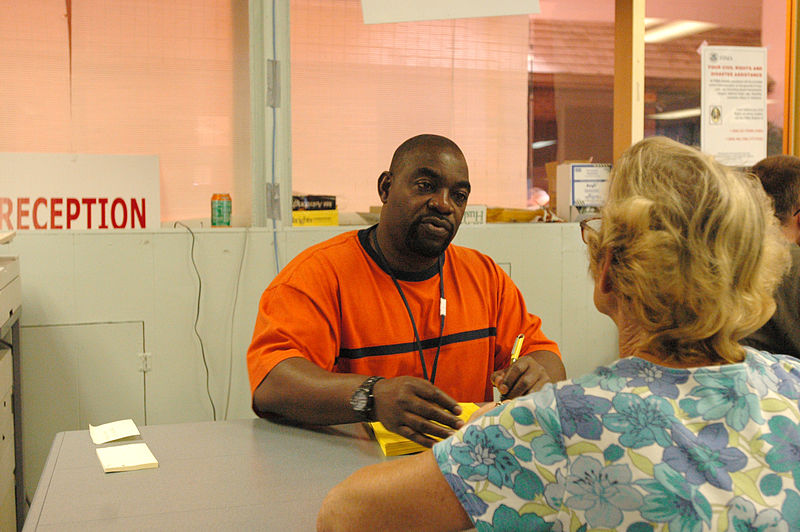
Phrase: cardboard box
{"type": "Point", "coordinates": [550, 170]}
{"type": "Point", "coordinates": [581, 189]}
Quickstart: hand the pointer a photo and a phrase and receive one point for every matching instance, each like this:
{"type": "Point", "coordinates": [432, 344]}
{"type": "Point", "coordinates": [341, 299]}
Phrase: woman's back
{"type": "Point", "coordinates": [635, 444]}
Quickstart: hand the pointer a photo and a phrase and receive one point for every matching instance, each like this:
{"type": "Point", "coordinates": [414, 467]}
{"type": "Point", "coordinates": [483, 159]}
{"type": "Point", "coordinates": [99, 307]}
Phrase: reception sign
{"type": "Point", "coordinates": [54, 191]}
{"type": "Point", "coordinates": [733, 125]}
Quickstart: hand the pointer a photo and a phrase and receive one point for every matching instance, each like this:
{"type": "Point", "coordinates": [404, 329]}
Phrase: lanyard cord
{"type": "Point", "coordinates": [417, 341]}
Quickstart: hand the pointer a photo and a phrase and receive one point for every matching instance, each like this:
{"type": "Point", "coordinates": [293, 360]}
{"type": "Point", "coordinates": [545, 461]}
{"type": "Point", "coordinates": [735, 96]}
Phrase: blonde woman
{"type": "Point", "coordinates": [688, 431]}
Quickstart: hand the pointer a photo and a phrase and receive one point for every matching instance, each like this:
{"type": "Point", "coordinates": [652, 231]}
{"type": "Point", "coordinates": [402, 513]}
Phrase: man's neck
{"type": "Point", "coordinates": [399, 262]}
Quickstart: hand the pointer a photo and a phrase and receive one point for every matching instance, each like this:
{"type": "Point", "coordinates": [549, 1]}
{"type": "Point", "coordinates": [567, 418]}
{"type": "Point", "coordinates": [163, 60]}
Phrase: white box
{"type": "Point", "coordinates": [581, 189]}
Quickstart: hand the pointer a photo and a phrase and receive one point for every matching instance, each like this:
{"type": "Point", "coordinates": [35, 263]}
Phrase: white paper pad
{"type": "Point", "coordinates": [113, 431]}
{"type": "Point", "coordinates": [128, 457]}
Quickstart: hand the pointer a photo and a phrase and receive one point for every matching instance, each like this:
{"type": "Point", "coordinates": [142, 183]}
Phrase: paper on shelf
{"type": "Point", "coordinates": [115, 430]}
{"type": "Point", "coordinates": [129, 457]}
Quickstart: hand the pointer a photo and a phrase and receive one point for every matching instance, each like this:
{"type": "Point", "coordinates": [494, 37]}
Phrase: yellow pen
{"type": "Point", "coordinates": [517, 348]}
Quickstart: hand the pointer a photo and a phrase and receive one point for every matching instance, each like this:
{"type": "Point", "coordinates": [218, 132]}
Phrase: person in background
{"type": "Point", "coordinates": [780, 177]}
{"type": "Point", "coordinates": [392, 323]}
{"type": "Point", "coordinates": [688, 430]}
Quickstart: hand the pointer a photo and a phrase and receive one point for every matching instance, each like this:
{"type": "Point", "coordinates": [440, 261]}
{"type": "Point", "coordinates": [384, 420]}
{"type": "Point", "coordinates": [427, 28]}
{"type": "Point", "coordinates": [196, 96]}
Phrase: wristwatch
{"type": "Point", "coordinates": [363, 401]}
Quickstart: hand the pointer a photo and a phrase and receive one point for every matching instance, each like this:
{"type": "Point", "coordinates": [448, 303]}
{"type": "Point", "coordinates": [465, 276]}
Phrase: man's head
{"type": "Point", "coordinates": [424, 195]}
{"type": "Point", "coordinates": [780, 177]}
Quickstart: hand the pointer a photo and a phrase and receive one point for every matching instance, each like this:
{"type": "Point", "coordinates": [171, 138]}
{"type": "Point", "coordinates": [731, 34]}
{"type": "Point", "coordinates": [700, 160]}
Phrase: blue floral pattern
{"type": "Point", "coordinates": [636, 446]}
{"type": "Point", "coordinates": [704, 457]}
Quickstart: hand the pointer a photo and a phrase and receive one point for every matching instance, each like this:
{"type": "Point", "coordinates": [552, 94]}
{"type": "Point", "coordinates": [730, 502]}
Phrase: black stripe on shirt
{"type": "Point", "coordinates": [410, 347]}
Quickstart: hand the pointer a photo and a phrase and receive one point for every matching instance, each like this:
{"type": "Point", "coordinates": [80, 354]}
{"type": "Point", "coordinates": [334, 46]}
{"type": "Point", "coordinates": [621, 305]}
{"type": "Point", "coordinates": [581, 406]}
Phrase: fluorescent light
{"type": "Point", "coordinates": [542, 144]}
{"type": "Point", "coordinates": [676, 115]}
{"type": "Point", "coordinates": [649, 21]}
{"type": "Point", "coordinates": [676, 29]}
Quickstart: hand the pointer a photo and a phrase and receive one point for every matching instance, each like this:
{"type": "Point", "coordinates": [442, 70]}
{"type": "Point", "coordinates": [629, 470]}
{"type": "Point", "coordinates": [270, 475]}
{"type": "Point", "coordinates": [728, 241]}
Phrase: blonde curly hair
{"type": "Point", "coordinates": [695, 251]}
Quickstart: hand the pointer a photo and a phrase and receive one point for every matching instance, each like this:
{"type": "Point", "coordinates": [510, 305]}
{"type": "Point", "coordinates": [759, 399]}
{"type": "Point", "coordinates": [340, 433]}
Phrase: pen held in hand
{"type": "Point", "coordinates": [517, 347]}
{"type": "Point", "coordinates": [515, 351]}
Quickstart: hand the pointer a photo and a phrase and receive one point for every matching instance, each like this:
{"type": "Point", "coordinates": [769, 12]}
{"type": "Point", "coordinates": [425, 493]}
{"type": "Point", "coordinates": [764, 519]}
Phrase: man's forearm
{"type": "Point", "coordinates": [298, 390]}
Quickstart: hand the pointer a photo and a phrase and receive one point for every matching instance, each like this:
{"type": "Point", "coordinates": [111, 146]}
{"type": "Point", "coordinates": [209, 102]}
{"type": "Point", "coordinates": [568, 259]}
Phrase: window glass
{"type": "Point", "coordinates": [571, 87]}
{"type": "Point", "coordinates": [672, 61]}
{"type": "Point", "coordinates": [134, 77]}
{"type": "Point", "coordinates": [358, 91]}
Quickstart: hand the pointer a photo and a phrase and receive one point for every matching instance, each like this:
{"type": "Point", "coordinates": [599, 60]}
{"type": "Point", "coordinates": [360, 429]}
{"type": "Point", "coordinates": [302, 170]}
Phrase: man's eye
{"type": "Point", "coordinates": [425, 186]}
{"type": "Point", "coordinates": [460, 197]}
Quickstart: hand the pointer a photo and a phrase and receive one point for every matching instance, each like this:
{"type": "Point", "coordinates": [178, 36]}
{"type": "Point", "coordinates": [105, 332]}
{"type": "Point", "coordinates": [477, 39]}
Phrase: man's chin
{"type": "Point", "coordinates": [429, 249]}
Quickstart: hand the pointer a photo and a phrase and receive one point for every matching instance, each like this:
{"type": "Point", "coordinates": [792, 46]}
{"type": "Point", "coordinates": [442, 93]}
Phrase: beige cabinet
{"type": "Point", "coordinates": [11, 500]}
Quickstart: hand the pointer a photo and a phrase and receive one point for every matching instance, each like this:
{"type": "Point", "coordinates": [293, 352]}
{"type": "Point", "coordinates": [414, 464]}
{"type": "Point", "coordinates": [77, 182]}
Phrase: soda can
{"type": "Point", "coordinates": [221, 210]}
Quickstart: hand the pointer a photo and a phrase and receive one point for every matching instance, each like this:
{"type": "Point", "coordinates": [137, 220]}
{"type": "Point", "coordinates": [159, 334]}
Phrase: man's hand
{"type": "Point", "coordinates": [409, 406]}
{"type": "Point", "coordinates": [524, 376]}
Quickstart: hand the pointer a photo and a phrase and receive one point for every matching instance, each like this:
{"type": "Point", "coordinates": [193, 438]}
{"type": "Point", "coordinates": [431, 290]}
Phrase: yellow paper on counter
{"type": "Point", "coordinates": [395, 445]}
{"type": "Point", "coordinates": [128, 457]}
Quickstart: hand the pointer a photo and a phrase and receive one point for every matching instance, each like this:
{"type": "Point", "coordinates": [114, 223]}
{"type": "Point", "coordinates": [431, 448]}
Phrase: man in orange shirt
{"type": "Point", "coordinates": [392, 323]}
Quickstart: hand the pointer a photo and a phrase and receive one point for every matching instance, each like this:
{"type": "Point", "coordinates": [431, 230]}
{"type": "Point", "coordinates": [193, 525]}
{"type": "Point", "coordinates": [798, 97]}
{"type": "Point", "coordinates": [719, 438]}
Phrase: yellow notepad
{"type": "Point", "coordinates": [126, 457]}
{"type": "Point", "coordinates": [395, 445]}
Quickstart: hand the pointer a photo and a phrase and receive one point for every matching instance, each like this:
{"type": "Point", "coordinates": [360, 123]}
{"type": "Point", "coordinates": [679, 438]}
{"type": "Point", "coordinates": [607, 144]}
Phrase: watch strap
{"type": "Point", "coordinates": [366, 388]}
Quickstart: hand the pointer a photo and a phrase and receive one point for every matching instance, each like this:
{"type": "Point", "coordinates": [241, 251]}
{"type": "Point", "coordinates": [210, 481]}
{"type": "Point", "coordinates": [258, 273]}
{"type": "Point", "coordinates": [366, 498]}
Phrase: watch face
{"type": "Point", "coordinates": [359, 401]}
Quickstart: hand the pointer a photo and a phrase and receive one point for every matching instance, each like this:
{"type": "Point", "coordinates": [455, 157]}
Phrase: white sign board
{"type": "Point", "coordinates": [733, 126]}
{"type": "Point", "coordinates": [474, 215]}
{"type": "Point", "coordinates": [589, 184]}
{"type": "Point", "coordinates": [382, 11]}
{"type": "Point", "coordinates": [56, 191]}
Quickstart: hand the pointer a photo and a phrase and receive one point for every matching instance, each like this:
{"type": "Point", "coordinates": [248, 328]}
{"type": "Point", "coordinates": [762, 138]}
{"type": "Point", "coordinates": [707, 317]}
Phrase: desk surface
{"type": "Point", "coordinates": [227, 475]}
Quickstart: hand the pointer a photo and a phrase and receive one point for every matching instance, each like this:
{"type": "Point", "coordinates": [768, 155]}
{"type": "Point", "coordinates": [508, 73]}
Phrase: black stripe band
{"type": "Point", "coordinates": [410, 347]}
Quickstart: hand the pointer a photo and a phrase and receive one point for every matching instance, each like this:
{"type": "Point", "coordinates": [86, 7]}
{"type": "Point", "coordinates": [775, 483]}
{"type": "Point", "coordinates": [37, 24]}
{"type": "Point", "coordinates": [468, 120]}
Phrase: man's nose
{"type": "Point", "coordinates": [442, 202]}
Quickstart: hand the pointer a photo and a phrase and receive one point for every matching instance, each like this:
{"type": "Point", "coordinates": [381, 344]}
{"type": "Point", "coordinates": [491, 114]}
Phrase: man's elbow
{"type": "Point", "coordinates": [263, 401]}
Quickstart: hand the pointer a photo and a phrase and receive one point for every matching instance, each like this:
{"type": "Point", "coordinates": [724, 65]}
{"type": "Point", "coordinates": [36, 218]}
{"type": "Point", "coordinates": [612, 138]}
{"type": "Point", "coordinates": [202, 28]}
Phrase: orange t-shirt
{"type": "Point", "coordinates": [335, 306]}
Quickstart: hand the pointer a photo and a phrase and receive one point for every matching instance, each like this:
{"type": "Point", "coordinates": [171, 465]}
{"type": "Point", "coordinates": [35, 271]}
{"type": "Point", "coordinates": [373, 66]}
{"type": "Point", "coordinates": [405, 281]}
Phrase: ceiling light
{"type": "Point", "coordinates": [676, 29]}
{"type": "Point", "coordinates": [676, 115]}
{"type": "Point", "coordinates": [542, 144]}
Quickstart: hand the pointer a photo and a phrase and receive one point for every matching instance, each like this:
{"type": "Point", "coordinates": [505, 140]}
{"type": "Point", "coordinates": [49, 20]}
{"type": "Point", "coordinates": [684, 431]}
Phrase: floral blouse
{"type": "Point", "coordinates": [638, 447]}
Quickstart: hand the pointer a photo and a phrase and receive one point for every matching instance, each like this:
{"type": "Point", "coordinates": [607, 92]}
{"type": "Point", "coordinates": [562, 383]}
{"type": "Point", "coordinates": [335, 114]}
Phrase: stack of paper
{"type": "Point", "coordinates": [126, 457]}
{"type": "Point", "coordinates": [395, 445]}
{"type": "Point", "coordinates": [121, 457]}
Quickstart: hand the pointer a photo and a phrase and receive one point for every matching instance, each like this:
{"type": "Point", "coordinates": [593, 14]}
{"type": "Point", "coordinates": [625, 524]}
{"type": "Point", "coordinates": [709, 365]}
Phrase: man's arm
{"type": "Point", "coordinates": [404, 494]}
{"type": "Point", "coordinates": [299, 390]}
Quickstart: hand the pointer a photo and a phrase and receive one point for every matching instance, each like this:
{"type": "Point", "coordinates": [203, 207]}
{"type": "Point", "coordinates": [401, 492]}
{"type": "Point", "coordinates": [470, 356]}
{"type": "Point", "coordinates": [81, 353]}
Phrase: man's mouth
{"type": "Point", "coordinates": [436, 226]}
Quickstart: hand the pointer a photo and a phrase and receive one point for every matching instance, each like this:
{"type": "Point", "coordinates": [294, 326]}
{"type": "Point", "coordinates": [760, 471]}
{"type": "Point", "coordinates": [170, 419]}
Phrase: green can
{"type": "Point", "coordinates": [221, 210]}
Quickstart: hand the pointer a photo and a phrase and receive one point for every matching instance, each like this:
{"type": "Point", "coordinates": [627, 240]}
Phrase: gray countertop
{"type": "Point", "coordinates": [227, 475]}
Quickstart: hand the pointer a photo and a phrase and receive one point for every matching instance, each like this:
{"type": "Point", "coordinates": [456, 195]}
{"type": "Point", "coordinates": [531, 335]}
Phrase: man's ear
{"type": "Point", "coordinates": [384, 184]}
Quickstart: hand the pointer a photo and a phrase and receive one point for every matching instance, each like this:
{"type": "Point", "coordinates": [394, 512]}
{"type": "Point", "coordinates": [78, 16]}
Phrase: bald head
{"type": "Point", "coordinates": [427, 143]}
